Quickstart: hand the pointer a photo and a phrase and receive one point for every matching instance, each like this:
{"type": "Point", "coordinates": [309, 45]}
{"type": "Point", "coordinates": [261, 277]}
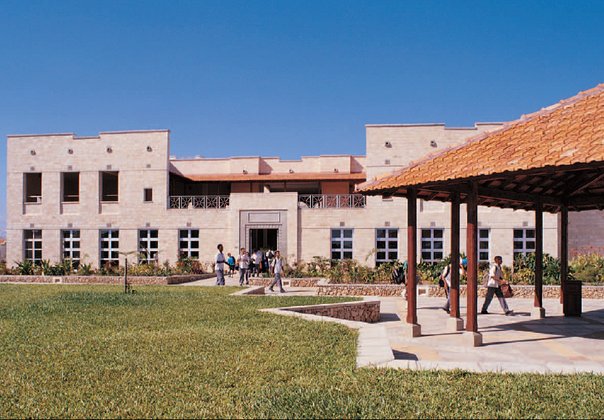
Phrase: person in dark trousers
{"type": "Point", "coordinates": [219, 266]}
{"type": "Point", "coordinates": [244, 262]}
{"type": "Point", "coordinates": [278, 270]}
{"type": "Point", "coordinates": [494, 288]}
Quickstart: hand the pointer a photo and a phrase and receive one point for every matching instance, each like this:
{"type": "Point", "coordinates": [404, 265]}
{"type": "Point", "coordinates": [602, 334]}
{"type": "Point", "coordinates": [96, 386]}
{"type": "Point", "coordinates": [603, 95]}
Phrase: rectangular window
{"type": "Point", "coordinates": [71, 247]}
{"type": "Point", "coordinates": [341, 244]}
{"type": "Point", "coordinates": [148, 246]}
{"type": "Point", "coordinates": [484, 248]}
{"type": "Point", "coordinates": [148, 195]}
{"type": "Point", "coordinates": [524, 241]}
{"type": "Point", "coordinates": [33, 245]}
{"type": "Point", "coordinates": [188, 243]}
{"type": "Point", "coordinates": [386, 245]}
{"type": "Point", "coordinates": [110, 247]}
{"type": "Point", "coordinates": [32, 187]}
{"type": "Point", "coordinates": [109, 186]}
{"type": "Point", "coordinates": [433, 244]}
{"type": "Point", "coordinates": [71, 186]}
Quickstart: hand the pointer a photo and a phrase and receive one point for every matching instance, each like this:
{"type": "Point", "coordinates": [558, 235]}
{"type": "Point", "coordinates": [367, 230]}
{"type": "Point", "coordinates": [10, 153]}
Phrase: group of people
{"type": "Point", "coordinates": [256, 263]}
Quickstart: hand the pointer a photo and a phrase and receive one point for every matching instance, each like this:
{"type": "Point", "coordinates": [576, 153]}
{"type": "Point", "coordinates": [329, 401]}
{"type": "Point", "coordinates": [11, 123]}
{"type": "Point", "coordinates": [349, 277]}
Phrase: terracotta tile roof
{"type": "Point", "coordinates": [567, 133]}
{"type": "Point", "coordinates": [302, 176]}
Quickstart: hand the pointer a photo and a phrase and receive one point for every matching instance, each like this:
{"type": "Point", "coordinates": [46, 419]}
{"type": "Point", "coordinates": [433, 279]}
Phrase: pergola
{"type": "Point", "coordinates": [551, 160]}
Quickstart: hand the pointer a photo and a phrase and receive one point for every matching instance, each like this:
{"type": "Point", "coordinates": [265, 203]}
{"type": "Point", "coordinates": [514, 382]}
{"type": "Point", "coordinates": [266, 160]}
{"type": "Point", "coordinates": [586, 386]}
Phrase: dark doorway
{"type": "Point", "coordinates": [263, 239]}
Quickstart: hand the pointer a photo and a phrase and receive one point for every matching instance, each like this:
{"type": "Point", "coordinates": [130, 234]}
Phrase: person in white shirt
{"type": "Point", "coordinates": [278, 270]}
{"type": "Point", "coordinates": [244, 263]}
{"type": "Point", "coordinates": [259, 255]}
{"type": "Point", "coordinates": [219, 266]}
{"type": "Point", "coordinates": [493, 288]}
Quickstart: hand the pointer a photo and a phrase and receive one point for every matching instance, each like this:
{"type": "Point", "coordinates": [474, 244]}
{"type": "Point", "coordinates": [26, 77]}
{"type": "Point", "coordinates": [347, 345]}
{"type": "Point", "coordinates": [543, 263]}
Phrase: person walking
{"type": "Point", "coordinates": [253, 268]}
{"type": "Point", "coordinates": [231, 263]}
{"type": "Point", "coordinates": [219, 266]}
{"type": "Point", "coordinates": [244, 263]}
{"type": "Point", "coordinates": [278, 270]}
{"type": "Point", "coordinates": [494, 288]}
{"type": "Point", "coordinates": [446, 277]}
{"type": "Point", "coordinates": [259, 267]}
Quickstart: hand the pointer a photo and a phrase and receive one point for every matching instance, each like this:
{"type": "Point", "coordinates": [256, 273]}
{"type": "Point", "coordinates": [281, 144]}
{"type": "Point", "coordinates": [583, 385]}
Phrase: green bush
{"type": "Point", "coordinates": [524, 269]}
{"type": "Point", "coordinates": [588, 268]}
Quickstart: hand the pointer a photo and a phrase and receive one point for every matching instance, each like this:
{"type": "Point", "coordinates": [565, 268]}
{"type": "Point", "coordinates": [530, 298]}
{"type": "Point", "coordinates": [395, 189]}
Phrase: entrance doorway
{"type": "Point", "coordinates": [263, 239]}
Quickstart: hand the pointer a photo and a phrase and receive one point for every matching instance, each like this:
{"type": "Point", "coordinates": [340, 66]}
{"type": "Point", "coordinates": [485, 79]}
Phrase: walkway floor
{"type": "Point", "coordinates": [516, 343]}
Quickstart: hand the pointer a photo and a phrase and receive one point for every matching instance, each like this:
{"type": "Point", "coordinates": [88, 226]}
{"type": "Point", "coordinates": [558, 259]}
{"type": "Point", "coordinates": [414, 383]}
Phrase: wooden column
{"type": "Point", "coordinates": [538, 303]}
{"type": "Point", "coordinates": [472, 252]}
{"type": "Point", "coordinates": [454, 291]}
{"type": "Point", "coordinates": [411, 256]}
{"type": "Point", "coordinates": [563, 250]}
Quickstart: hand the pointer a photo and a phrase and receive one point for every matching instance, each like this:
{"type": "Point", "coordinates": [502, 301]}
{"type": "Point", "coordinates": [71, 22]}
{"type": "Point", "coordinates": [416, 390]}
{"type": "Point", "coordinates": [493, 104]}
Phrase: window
{"type": "Point", "coordinates": [188, 243]}
{"type": "Point", "coordinates": [33, 245]}
{"type": "Point", "coordinates": [386, 244]}
{"type": "Point", "coordinates": [148, 246]}
{"type": "Point", "coordinates": [484, 245]}
{"type": "Point", "coordinates": [33, 187]}
{"type": "Point", "coordinates": [432, 244]}
{"type": "Point", "coordinates": [341, 244]}
{"type": "Point", "coordinates": [148, 196]}
{"type": "Point", "coordinates": [524, 241]}
{"type": "Point", "coordinates": [110, 246]}
{"type": "Point", "coordinates": [71, 247]}
{"type": "Point", "coordinates": [71, 186]}
{"type": "Point", "coordinates": [109, 186]}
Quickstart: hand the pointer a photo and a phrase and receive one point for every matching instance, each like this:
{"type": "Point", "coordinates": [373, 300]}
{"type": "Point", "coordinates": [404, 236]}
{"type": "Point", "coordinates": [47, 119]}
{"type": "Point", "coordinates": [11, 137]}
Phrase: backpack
{"type": "Point", "coordinates": [485, 278]}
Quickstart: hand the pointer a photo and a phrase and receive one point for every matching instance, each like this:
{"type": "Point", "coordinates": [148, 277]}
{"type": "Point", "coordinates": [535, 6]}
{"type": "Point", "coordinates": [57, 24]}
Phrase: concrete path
{"type": "Point", "coordinates": [516, 343]}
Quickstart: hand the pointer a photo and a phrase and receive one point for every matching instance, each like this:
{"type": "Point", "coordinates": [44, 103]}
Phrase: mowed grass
{"type": "Point", "coordinates": [91, 351]}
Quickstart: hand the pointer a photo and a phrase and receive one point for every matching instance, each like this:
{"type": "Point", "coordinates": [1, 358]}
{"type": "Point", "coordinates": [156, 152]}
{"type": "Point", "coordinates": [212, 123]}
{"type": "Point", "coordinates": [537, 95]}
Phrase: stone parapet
{"type": "Point", "coordinates": [293, 282]}
{"type": "Point", "coordinates": [134, 280]}
{"type": "Point", "coordinates": [365, 311]}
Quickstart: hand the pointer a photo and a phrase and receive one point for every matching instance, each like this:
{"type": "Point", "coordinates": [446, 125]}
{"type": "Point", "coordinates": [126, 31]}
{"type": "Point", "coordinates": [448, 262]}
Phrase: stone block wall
{"type": "Point", "coordinates": [366, 311]}
{"type": "Point", "coordinates": [134, 280]}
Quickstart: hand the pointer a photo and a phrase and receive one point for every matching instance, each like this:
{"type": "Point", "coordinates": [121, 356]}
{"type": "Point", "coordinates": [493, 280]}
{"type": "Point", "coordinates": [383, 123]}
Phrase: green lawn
{"type": "Point", "coordinates": [90, 351]}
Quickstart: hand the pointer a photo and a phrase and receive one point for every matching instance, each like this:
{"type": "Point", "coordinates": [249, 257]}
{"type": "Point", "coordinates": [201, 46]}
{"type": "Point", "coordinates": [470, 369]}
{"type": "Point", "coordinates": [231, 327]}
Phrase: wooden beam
{"type": "Point", "coordinates": [497, 194]}
{"type": "Point", "coordinates": [586, 200]}
{"type": "Point", "coordinates": [411, 256]}
{"type": "Point", "coordinates": [472, 254]}
{"type": "Point", "coordinates": [454, 290]}
{"type": "Point", "coordinates": [538, 298]}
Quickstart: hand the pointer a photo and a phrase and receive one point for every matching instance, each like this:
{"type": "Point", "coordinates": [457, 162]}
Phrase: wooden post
{"type": "Point", "coordinates": [455, 204]}
{"type": "Point", "coordinates": [414, 328]}
{"type": "Point", "coordinates": [563, 250]}
{"type": "Point", "coordinates": [472, 272]}
{"type": "Point", "coordinates": [538, 311]}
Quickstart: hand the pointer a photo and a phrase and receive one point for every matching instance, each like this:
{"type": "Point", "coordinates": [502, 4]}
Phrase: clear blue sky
{"type": "Point", "coordinates": [286, 78]}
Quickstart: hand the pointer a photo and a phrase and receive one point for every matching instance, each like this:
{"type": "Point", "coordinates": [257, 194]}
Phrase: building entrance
{"type": "Point", "coordinates": [263, 239]}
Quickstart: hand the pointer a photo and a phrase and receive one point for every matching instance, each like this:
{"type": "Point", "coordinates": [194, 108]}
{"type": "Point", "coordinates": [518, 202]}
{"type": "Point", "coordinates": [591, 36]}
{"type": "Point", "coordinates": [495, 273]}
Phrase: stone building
{"type": "Point", "coordinates": [97, 199]}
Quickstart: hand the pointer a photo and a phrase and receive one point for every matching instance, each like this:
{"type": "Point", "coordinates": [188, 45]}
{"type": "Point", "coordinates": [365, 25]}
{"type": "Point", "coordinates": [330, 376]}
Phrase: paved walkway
{"type": "Point", "coordinates": [516, 343]}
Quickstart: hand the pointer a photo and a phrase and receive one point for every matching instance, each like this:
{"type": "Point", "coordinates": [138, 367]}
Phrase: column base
{"type": "Point", "coordinates": [412, 330]}
{"type": "Point", "coordinates": [538, 313]}
{"type": "Point", "coordinates": [454, 324]}
{"type": "Point", "coordinates": [472, 339]}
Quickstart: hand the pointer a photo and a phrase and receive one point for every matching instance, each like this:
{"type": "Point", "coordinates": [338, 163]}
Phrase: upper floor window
{"type": "Point", "coordinates": [148, 195]}
{"type": "Point", "coordinates": [386, 244]}
{"type": "Point", "coordinates": [33, 245]}
{"type": "Point", "coordinates": [32, 187]}
{"type": "Point", "coordinates": [109, 186]}
{"type": "Point", "coordinates": [71, 186]}
{"type": "Point", "coordinates": [432, 244]}
{"type": "Point", "coordinates": [148, 245]}
{"type": "Point", "coordinates": [341, 244]}
{"type": "Point", "coordinates": [524, 241]}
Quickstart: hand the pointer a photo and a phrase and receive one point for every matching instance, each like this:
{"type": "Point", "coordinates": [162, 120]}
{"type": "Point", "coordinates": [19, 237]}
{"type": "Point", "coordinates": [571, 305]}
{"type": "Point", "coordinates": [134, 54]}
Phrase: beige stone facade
{"type": "Point", "coordinates": [243, 201]}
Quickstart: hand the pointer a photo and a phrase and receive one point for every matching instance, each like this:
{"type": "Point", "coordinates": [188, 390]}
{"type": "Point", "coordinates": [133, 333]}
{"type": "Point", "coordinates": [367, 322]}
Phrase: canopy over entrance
{"type": "Point", "coordinates": [551, 160]}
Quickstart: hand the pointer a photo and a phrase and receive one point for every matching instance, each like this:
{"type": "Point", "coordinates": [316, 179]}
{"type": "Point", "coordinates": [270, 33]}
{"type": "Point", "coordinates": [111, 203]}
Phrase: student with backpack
{"type": "Point", "coordinates": [445, 278]}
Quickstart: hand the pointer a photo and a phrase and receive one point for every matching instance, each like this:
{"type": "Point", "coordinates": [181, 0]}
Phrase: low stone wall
{"type": "Point", "coordinates": [134, 280]}
{"type": "Point", "coordinates": [553, 292]}
{"type": "Point", "coordinates": [365, 311]}
{"type": "Point", "coordinates": [293, 282]}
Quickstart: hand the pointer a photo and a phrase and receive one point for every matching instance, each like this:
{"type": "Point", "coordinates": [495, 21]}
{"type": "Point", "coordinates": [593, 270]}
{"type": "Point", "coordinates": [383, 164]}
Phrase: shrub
{"type": "Point", "coordinates": [524, 269]}
{"type": "Point", "coordinates": [588, 268]}
{"type": "Point", "coordinates": [25, 268]}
